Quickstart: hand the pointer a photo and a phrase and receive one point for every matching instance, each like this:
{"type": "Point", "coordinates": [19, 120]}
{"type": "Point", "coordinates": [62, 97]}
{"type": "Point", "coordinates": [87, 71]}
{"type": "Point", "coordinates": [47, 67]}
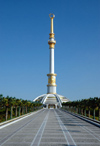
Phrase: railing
{"type": "Point", "coordinates": [84, 112]}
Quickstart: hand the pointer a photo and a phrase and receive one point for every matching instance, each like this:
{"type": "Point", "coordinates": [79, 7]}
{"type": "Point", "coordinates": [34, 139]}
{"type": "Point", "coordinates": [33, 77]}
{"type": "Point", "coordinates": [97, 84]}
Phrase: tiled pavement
{"type": "Point", "coordinates": [50, 127]}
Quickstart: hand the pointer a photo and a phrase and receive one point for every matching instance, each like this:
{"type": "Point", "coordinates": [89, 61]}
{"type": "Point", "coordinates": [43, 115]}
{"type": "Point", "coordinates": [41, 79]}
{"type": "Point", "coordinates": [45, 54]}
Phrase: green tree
{"type": "Point", "coordinates": [5, 104]}
{"type": "Point", "coordinates": [99, 107]}
{"type": "Point", "coordinates": [93, 104]}
{"type": "Point", "coordinates": [11, 102]}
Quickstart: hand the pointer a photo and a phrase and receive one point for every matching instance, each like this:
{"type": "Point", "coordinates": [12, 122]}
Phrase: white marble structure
{"type": "Point", "coordinates": [51, 99]}
{"type": "Point", "coordinates": [51, 87]}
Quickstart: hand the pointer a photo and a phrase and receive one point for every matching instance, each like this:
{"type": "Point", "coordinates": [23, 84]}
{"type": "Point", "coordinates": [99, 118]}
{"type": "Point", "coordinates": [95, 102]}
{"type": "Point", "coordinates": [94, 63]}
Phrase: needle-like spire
{"type": "Point", "coordinates": [51, 87]}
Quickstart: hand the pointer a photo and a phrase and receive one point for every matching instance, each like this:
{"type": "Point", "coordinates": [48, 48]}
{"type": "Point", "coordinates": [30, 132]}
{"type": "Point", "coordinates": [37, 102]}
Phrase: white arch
{"type": "Point", "coordinates": [39, 97]}
{"type": "Point", "coordinates": [44, 97]}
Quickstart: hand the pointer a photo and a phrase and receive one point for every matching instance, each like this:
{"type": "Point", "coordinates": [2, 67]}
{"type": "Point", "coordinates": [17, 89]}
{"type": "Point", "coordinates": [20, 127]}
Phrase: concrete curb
{"type": "Point", "coordinates": [94, 122]}
{"type": "Point", "coordinates": [6, 122]}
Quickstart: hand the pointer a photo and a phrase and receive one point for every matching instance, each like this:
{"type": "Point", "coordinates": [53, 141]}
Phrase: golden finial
{"type": "Point", "coordinates": [51, 17]}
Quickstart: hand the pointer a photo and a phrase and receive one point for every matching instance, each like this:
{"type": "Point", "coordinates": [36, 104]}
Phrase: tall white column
{"type": "Point", "coordinates": [51, 87]}
{"type": "Point", "coordinates": [52, 60]}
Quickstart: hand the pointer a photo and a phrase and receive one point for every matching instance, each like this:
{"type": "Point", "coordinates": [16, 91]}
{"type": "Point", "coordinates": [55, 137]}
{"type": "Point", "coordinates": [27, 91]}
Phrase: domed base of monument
{"type": "Point", "coordinates": [51, 100]}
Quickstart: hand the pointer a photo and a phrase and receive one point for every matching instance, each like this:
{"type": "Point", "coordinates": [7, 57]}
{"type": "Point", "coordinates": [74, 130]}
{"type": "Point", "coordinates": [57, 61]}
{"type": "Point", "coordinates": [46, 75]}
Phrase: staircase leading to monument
{"type": "Point", "coordinates": [51, 100]}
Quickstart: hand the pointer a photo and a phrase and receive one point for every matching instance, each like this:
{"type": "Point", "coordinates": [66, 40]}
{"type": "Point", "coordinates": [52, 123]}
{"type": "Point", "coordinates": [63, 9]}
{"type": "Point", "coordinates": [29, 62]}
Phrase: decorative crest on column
{"type": "Point", "coordinates": [51, 42]}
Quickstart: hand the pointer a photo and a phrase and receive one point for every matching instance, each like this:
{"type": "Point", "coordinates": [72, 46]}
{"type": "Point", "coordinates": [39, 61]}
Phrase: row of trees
{"type": "Point", "coordinates": [85, 106]}
{"type": "Point", "coordinates": [16, 107]}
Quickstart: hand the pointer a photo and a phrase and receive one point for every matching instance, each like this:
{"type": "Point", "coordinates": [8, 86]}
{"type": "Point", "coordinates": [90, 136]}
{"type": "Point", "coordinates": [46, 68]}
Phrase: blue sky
{"type": "Point", "coordinates": [24, 49]}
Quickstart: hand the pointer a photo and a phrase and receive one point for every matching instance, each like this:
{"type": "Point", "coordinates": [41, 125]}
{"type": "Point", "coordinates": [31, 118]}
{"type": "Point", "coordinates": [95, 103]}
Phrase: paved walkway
{"type": "Point", "coordinates": [50, 127]}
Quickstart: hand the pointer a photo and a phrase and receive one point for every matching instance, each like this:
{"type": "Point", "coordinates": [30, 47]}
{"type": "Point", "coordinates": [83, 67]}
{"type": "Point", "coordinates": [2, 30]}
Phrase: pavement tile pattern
{"type": "Point", "coordinates": [50, 127]}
